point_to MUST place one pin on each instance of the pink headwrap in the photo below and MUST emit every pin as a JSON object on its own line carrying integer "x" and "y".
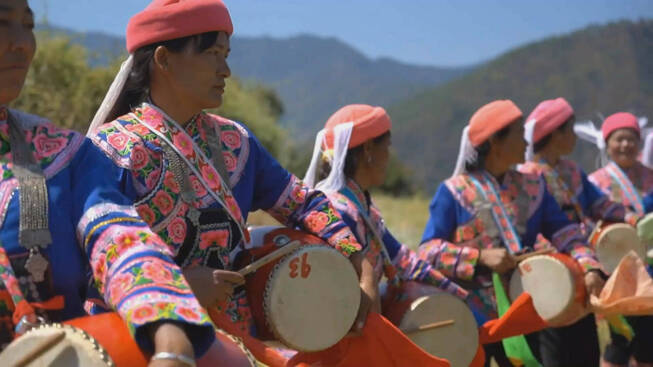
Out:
{"x": 548, "y": 116}
{"x": 164, "y": 20}
{"x": 619, "y": 120}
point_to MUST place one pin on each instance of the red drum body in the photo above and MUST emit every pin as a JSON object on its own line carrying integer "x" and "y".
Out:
{"x": 613, "y": 241}
{"x": 413, "y": 305}
{"x": 308, "y": 299}
{"x": 104, "y": 340}
{"x": 556, "y": 284}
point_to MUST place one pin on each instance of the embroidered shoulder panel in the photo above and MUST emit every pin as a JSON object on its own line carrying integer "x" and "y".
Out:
{"x": 640, "y": 176}
{"x": 571, "y": 175}
{"x": 133, "y": 146}
{"x": 235, "y": 145}
{"x": 521, "y": 195}
{"x": 604, "y": 181}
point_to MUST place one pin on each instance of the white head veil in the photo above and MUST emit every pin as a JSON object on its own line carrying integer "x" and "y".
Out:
{"x": 336, "y": 178}
{"x": 466, "y": 153}
{"x": 529, "y": 131}
{"x": 112, "y": 95}
{"x": 587, "y": 131}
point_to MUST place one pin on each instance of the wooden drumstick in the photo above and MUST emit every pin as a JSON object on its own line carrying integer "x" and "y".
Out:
{"x": 596, "y": 228}
{"x": 544, "y": 251}
{"x": 433, "y": 325}
{"x": 46, "y": 344}
{"x": 283, "y": 251}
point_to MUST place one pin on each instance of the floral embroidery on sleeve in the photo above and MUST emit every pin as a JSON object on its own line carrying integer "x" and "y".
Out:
{"x": 310, "y": 209}
{"x": 134, "y": 270}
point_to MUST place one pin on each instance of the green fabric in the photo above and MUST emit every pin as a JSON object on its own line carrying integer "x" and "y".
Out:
{"x": 619, "y": 325}
{"x": 645, "y": 230}
{"x": 516, "y": 347}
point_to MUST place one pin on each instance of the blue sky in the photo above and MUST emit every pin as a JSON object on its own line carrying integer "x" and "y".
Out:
{"x": 429, "y": 32}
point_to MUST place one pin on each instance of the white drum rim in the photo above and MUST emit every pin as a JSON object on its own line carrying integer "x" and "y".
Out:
{"x": 515, "y": 284}
{"x": 605, "y": 254}
{"x": 238, "y": 341}
{"x": 536, "y": 299}
{"x": 102, "y": 354}
{"x": 268, "y": 296}
{"x": 469, "y": 320}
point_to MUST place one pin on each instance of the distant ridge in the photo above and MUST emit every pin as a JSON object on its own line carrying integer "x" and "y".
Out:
{"x": 313, "y": 75}
{"x": 598, "y": 69}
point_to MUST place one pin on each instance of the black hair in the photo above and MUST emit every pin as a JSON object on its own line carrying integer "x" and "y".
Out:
{"x": 483, "y": 150}
{"x": 351, "y": 161}
{"x": 137, "y": 87}
{"x": 545, "y": 140}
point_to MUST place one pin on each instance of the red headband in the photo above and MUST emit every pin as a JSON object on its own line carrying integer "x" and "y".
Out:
{"x": 619, "y": 120}
{"x": 548, "y": 116}
{"x": 369, "y": 122}
{"x": 491, "y": 118}
{"x": 164, "y": 20}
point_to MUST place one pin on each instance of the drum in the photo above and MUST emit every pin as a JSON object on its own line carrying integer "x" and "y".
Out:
{"x": 515, "y": 287}
{"x": 415, "y": 304}
{"x": 557, "y": 286}
{"x": 308, "y": 299}
{"x": 613, "y": 241}
{"x": 104, "y": 340}
{"x": 56, "y": 345}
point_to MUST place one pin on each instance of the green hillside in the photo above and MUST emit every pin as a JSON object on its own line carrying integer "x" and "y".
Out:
{"x": 598, "y": 69}
{"x": 314, "y": 76}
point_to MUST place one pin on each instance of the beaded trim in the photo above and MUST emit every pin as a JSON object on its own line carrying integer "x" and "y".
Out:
{"x": 96, "y": 348}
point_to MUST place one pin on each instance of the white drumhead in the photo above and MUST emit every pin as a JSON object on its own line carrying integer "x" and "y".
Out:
{"x": 515, "y": 288}
{"x": 458, "y": 342}
{"x": 76, "y": 349}
{"x": 550, "y": 284}
{"x": 312, "y": 298}
{"x": 614, "y": 242}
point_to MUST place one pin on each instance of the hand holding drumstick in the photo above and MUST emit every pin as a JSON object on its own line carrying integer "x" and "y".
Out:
{"x": 212, "y": 286}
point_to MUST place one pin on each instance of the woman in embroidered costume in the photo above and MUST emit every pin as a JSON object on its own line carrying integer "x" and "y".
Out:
{"x": 60, "y": 214}
{"x": 356, "y": 140}
{"x": 550, "y": 136}
{"x": 487, "y": 211}
{"x": 625, "y": 180}
{"x": 195, "y": 176}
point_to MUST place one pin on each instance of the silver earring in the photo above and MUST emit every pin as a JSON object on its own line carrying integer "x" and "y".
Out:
{"x": 369, "y": 159}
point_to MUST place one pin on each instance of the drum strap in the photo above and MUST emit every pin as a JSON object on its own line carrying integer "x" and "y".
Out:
{"x": 516, "y": 348}
{"x": 217, "y": 188}
{"x": 627, "y": 187}
{"x": 551, "y": 173}
{"x": 509, "y": 235}
{"x": 388, "y": 267}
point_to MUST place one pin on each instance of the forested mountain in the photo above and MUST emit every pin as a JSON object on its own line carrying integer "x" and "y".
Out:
{"x": 315, "y": 76}
{"x": 312, "y": 75}
{"x": 598, "y": 69}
